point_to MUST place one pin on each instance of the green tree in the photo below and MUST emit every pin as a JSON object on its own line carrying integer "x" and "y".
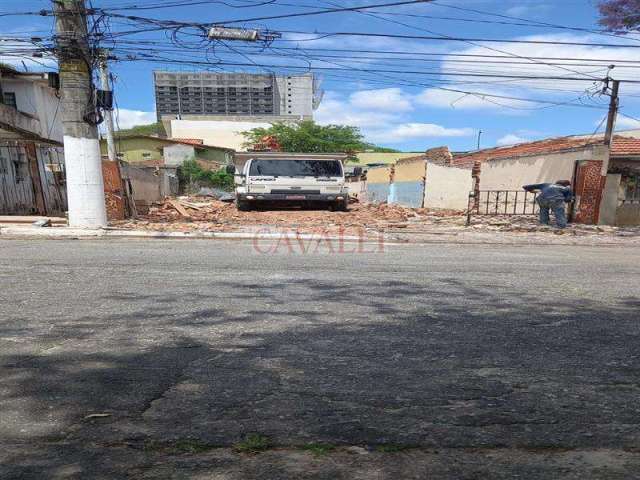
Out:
{"x": 309, "y": 137}
{"x": 156, "y": 129}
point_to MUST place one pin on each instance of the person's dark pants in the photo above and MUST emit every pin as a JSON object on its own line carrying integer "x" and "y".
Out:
{"x": 559, "y": 212}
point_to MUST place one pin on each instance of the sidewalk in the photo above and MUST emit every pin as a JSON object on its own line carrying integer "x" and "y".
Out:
{"x": 457, "y": 235}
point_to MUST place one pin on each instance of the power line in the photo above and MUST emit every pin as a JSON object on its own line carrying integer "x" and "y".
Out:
{"x": 322, "y": 35}
{"x": 325, "y": 11}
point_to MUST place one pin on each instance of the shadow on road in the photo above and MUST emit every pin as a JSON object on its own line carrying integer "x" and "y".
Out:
{"x": 447, "y": 365}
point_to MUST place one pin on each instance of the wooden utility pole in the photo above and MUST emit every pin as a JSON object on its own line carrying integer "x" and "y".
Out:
{"x": 108, "y": 113}
{"x": 613, "y": 112}
{"x": 83, "y": 164}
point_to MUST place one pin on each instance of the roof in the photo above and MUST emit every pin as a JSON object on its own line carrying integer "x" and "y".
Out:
{"x": 244, "y": 156}
{"x": 549, "y": 145}
{"x": 621, "y": 146}
{"x": 625, "y": 146}
{"x": 190, "y": 141}
{"x": 177, "y": 141}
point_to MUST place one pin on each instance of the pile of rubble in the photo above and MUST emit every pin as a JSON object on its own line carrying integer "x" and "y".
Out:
{"x": 201, "y": 213}
{"x": 190, "y": 214}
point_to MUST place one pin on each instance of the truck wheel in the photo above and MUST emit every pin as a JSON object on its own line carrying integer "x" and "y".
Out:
{"x": 242, "y": 206}
{"x": 342, "y": 206}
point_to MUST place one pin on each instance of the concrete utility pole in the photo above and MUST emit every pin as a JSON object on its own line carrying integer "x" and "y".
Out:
{"x": 85, "y": 185}
{"x": 106, "y": 86}
{"x": 613, "y": 112}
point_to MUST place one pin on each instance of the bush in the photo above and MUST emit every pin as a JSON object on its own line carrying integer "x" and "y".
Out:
{"x": 192, "y": 176}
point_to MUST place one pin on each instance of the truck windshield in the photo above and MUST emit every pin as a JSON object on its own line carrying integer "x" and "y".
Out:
{"x": 296, "y": 168}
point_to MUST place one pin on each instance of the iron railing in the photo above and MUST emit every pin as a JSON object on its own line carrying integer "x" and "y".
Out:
{"x": 502, "y": 202}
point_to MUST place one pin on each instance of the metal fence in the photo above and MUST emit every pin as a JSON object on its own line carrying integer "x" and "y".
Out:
{"x": 31, "y": 179}
{"x": 502, "y": 202}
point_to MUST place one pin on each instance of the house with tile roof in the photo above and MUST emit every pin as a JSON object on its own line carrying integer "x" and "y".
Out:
{"x": 167, "y": 151}
{"x": 607, "y": 182}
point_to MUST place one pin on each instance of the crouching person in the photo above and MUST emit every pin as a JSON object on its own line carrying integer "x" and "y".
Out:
{"x": 553, "y": 196}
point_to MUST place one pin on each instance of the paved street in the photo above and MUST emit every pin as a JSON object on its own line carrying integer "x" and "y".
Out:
{"x": 153, "y": 359}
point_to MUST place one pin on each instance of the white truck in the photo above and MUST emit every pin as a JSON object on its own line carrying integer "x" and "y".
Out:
{"x": 295, "y": 181}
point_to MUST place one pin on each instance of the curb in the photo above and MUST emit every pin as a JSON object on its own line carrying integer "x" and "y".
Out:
{"x": 62, "y": 233}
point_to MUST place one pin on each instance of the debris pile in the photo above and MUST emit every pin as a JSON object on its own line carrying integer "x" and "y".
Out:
{"x": 203, "y": 213}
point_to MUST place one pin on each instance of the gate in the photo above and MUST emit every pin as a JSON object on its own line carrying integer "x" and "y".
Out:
{"x": 32, "y": 179}
{"x": 502, "y": 202}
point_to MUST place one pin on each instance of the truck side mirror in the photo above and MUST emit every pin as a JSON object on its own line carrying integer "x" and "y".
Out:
{"x": 231, "y": 169}
{"x": 357, "y": 171}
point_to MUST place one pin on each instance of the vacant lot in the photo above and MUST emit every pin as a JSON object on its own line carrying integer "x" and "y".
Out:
{"x": 154, "y": 359}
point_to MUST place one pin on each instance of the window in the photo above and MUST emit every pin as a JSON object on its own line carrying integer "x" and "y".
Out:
{"x": 146, "y": 155}
{"x": 10, "y": 99}
{"x": 296, "y": 168}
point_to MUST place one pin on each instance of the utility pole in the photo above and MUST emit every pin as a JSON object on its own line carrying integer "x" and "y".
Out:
{"x": 613, "y": 112}
{"x": 479, "y": 136}
{"x": 83, "y": 164}
{"x": 106, "y": 86}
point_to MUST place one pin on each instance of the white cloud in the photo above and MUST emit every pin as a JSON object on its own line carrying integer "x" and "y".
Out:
{"x": 511, "y": 139}
{"x": 130, "y": 118}
{"x": 410, "y": 131}
{"x": 438, "y": 98}
{"x": 386, "y": 99}
{"x": 527, "y": 10}
{"x": 548, "y": 89}
{"x": 371, "y": 110}
{"x": 627, "y": 123}
{"x": 333, "y": 110}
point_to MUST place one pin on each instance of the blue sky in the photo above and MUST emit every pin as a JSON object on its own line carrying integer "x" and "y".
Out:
{"x": 410, "y": 112}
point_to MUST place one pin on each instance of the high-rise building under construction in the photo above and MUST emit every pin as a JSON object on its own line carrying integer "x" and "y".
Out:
{"x": 206, "y": 95}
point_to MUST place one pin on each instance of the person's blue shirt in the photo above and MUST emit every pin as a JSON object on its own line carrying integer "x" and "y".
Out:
{"x": 551, "y": 192}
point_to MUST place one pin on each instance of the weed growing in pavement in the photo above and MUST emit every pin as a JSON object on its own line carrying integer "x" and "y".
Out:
{"x": 318, "y": 449}
{"x": 253, "y": 443}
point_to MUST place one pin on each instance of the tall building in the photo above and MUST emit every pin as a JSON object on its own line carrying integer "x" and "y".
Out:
{"x": 222, "y": 96}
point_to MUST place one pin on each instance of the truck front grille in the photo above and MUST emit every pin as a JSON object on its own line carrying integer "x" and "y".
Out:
{"x": 296, "y": 192}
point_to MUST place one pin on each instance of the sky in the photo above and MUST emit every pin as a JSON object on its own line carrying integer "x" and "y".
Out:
{"x": 411, "y": 98}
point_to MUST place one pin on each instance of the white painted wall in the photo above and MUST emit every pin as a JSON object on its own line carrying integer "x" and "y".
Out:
{"x": 216, "y": 133}
{"x": 512, "y": 174}
{"x": 37, "y": 99}
{"x": 175, "y": 155}
{"x": 447, "y": 187}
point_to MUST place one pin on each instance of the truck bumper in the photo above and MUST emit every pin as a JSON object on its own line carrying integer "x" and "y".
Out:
{"x": 292, "y": 197}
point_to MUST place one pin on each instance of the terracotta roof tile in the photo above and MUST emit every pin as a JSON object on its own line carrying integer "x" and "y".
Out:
{"x": 543, "y": 146}
{"x": 625, "y": 146}
{"x": 189, "y": 141}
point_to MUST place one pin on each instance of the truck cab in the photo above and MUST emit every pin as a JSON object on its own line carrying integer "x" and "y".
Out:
{"x": 293, "y": 181}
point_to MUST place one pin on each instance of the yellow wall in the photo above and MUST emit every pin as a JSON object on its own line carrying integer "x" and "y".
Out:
{"x": 372, "y": 157}
{"x": 378, "y": 175}
{"x": 410, "y": 171}
{"x": 134, "y": 149}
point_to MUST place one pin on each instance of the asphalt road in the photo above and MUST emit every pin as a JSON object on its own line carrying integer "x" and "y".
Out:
{"x": 150, "y": 359}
